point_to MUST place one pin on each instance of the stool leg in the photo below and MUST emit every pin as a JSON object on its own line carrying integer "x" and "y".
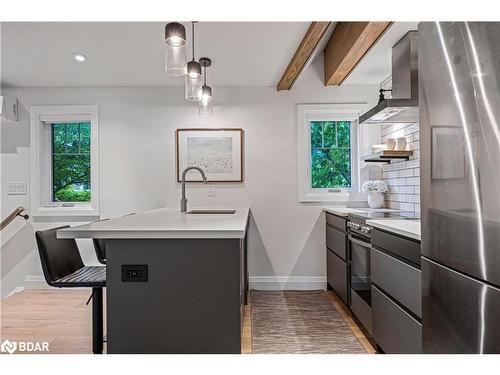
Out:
{"x": 97, "y": 321}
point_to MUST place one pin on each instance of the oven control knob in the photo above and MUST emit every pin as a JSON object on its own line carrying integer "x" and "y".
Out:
{"x": 354, "y": 225}
{"x": 365, "y": 229}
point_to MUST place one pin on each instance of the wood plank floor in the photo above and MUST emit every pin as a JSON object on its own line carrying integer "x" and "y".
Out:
{"x": 61, "y": 318}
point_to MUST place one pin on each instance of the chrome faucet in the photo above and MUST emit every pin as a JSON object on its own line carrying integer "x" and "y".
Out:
{"x": 184, "y": 201}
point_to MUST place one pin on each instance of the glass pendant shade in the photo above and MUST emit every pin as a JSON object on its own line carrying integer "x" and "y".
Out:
{"x": 175, "y": 60}
{"x": 194, "y": 69}
{"x": 175, "y": 49}
{"x": 205, "y": 106}
{"x": 175, "y": 34}
{"x": 192, "y": 88}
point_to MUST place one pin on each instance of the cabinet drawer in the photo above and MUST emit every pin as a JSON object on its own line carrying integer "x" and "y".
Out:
{"x": 338, "y": 275}
{"x": 402, "y": 281}
{"x": 362, "y": 310}
{"x": 405, "y": 248}
{"x": 336, "y": 221}
{"x": 336, "y": 241}
{"x": 394, "y": 330}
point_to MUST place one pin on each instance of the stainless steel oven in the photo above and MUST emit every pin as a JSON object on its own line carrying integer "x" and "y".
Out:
{"x": 360, "y": 251}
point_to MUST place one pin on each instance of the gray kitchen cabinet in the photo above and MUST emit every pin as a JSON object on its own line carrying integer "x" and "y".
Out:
{"x": 336, "y": 241}
{"x": 396, "y": 293}
{"x": 338, "y": 275}
{"x": 402, "y": 247}
{"x": 337, "y": 268}
{"x": 398, "y": 279}
{"x": 335, "y": 221}
{"x": 393, "y": 328}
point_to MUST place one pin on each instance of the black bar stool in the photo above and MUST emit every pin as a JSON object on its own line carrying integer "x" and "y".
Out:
{"x": 63, "y": 268}
{"x": 100, "y": 250}
{"x": 100, "y": 245}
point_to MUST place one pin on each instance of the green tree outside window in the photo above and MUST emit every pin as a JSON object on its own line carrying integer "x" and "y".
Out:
{"x": 71, "y": 162}
{"x": 330, "y": 154}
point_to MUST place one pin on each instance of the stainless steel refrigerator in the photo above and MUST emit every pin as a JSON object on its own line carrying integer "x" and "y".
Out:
{"x": 459, "y": 98}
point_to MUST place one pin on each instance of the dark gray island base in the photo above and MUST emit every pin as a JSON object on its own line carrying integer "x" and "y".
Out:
{"x": 188, "y": 299}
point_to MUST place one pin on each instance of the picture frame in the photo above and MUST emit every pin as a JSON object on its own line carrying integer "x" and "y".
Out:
{"x": 218, "y": 151}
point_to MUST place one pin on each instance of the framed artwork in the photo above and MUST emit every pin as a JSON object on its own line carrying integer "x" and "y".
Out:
{"x": 448, "y": 153}
{"x": 219, "y": 152}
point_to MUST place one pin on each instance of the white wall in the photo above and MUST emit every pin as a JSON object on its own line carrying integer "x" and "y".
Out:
{"x": 137, "y": 151}
{"x": 403, "y": 177}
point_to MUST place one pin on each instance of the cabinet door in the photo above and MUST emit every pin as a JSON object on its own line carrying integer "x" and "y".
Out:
{"x": 338, "y": 275}
{"x": 402, "y": 247}
{"x": 398, "y": 279}
{"x": 394, "y": 330}
{"x": 336, "y": 241}
{"x": 337, "y": 222}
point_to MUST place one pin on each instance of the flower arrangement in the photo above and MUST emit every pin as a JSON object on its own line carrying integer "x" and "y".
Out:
{"x": 377, "y": 186}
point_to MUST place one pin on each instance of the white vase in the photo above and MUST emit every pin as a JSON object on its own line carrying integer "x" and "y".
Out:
{"x": 375, "y": 199}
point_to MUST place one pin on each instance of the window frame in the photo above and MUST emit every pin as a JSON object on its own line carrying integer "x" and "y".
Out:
{"x": 306, "y": 113}
{"x": 41, "y": 160}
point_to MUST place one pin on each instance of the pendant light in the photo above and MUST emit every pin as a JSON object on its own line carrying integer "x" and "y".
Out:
{"x": 175, "y": 49}
{"x": 193, "y": 81}
{"x": 205, "y": 105}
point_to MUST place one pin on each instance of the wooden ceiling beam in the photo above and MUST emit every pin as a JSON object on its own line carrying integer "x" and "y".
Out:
{"x": 349, "y": 43}
{"x": 302, "y": 54}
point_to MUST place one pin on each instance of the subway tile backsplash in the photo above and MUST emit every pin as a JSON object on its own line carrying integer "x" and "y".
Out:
{"x": 403, "y": 177}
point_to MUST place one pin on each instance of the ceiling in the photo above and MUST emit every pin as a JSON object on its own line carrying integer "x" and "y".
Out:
{"x": 40, "y": 54}
{"x": 132, "y": 54}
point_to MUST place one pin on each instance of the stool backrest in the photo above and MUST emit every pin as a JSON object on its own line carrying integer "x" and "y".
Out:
{"x": 100, "y": 250}
{"x": 59, "y": 257}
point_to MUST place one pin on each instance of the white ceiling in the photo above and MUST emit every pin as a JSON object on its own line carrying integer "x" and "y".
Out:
{"x": 131, "y": 54}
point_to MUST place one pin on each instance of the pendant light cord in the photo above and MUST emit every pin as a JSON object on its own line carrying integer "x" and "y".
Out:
{"x": 192, "y": 28}
{"x": 205, "y": 75}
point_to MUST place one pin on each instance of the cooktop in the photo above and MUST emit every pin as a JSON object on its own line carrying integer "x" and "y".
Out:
{"x": 376, "y": 215}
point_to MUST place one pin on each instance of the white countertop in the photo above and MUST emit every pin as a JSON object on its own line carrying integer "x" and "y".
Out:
{"x": 344, "y": 211}
{"x": 406, "y": 228}
{"x": 165, "y": 223}
{"x": 341, "y": 211}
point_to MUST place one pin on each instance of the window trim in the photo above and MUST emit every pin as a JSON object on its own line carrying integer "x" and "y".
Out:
{"x": 41, "y": 149}
{"x": 327, "y": 112}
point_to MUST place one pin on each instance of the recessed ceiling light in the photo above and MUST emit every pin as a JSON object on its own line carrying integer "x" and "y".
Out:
{"x": 79, "y": 57}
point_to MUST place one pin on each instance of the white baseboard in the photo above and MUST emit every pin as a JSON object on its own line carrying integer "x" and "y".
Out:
{"x": 38, "y": 282}
{"x": 256, "y": 282}
{"x": 35, "y": 282}
{"x": 287, "y": 282}
{"x": 16, "y": 290}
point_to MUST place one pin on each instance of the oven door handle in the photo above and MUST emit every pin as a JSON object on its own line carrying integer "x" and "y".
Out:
{"x": 359, "y": 242}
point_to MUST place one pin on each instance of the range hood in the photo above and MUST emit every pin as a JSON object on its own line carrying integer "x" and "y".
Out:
{"x": 403, "y": 106}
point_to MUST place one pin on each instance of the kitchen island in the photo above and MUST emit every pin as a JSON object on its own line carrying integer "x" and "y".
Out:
{"x": 176, "y": 282}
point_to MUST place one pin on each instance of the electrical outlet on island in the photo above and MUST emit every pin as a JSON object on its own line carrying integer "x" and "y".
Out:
{"x": 211, "y": 191}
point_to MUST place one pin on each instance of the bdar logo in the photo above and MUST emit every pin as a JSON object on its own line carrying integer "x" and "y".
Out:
{"x": 24, "y": 346}
{"x": 8, "y": 347}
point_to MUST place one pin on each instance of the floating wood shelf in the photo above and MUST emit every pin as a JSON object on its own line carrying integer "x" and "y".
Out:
{"x": 385, "y": 156}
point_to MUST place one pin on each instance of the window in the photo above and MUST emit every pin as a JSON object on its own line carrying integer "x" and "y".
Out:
{"x": 327, "y": 151}
{"x": 330, "y": 154}
{"x": 65, "y": 161}
{"x": 71, "y": 162}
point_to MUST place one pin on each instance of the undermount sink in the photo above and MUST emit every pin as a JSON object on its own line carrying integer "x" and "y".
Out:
{"x": 212, "y": 212}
